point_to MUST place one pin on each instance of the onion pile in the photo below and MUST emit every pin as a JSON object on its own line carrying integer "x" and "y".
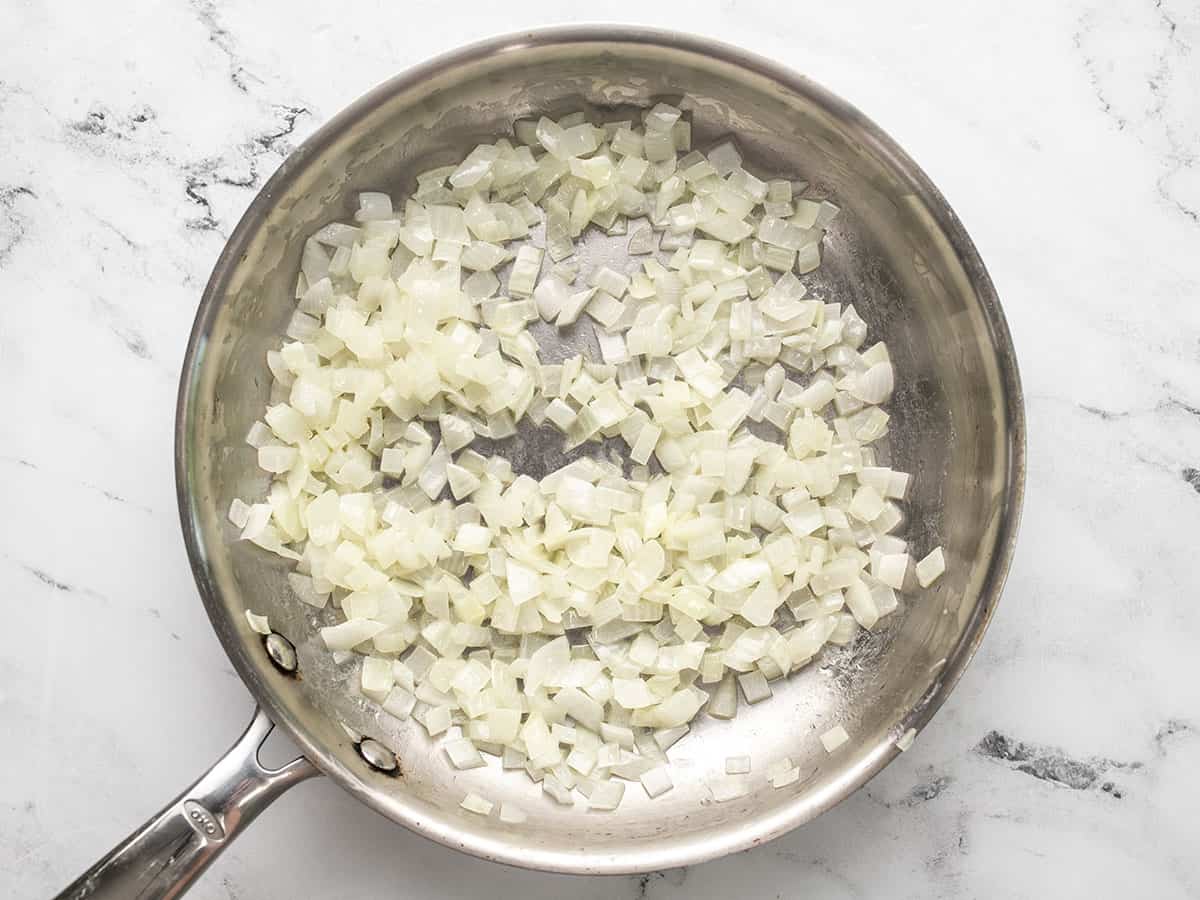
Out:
{"x": 575, "y": 626}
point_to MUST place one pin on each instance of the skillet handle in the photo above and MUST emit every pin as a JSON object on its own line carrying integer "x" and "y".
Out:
{"x": 163, "y": 857}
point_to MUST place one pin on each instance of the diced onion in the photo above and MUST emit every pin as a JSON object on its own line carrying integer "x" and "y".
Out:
{"x": 930, "y": 569}
{"x": 577, "y": 624}
{"x": 512, "y": 815}
{"x": 657, "y": 782}
{"x": 258, "y": 623}
{"x": 606, "y": 796}
{"x": 737, "y": 765}
{"x": 476, "y": 804}
{"x": 834, "y": 738}
{"x": 666, "y": 738}
{"x": 754, "y": 686}
{"x": 463, "y": 755}
{"x": 350, "y": 634}
{"x": 783, "y": 779}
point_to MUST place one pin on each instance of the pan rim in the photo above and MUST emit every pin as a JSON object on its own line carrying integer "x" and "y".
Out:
{"x": 704, "y": 845}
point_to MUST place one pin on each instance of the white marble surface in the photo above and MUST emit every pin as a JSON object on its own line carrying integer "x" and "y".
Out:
{"x": 1067, "y": 136}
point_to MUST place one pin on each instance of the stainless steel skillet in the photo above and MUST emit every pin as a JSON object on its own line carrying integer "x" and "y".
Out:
{"x": 897, "y": 252}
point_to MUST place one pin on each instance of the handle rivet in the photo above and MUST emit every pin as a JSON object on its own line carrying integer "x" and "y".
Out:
{"x": 281, "y": 652}
{"x": 377, "y": 756}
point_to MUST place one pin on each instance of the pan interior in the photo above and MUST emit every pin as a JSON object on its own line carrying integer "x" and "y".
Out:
{"x": 895, "y": 252}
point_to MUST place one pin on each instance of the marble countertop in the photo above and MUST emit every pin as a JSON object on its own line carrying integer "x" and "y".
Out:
{"x": 1067, "y": 136}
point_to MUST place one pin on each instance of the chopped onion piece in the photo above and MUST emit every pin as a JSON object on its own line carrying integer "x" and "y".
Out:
{"x": 377, "y": 678}
{"x": 666, "y": 738}
{"x": 783, "y": 779}
{"x": 737, "y": 765}
{"x": 239, "y": 513}
{"x": 834, "y": 738}
{"x": 525, "y": 270}
{"x": 875, "y": 384}
{"x": 780, "y": 767}
{"x": 512, "y": 815}
{"x": 633, "y": 693}
{"x": 641, "y": 241}
{"x": 462, "y": 482}
{"x": 463, "y": 755}
{"x": 723, "y": 704}
{"x": 472, "y": 538}
{"x": 606, "y": 796}
{"x": 657, "y": 782}
{"x": 476, "y": 804}
{"x": 572, "y": 306}
{"x": 890, "y": 569}
{"x": 350, "y": 634}
{"x": 399, "y": 703}
{"x": 754, "y": 686}
{"x": 436, "y": 720}
{"x": 258, "y": 623}
{"x": 306, "y": 590}
{"x": 725, "y": 227}
{"x": 929, "y": 569}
